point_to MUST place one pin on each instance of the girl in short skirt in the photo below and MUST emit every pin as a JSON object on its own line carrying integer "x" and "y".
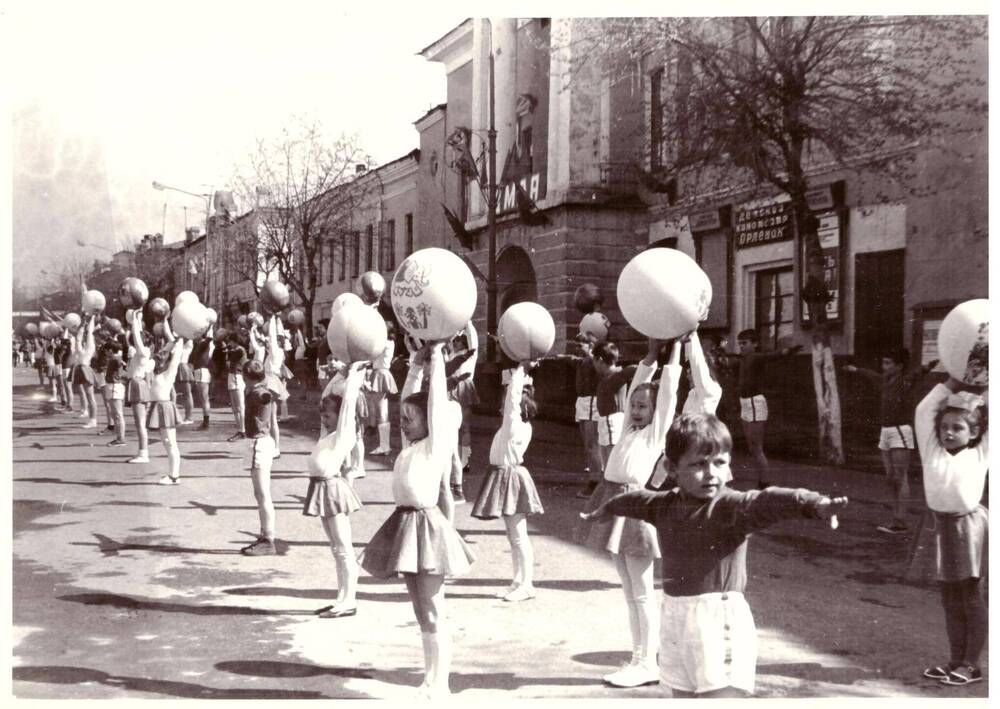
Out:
{"x": 417, "y": 540}
{"x": 632, "y": 542}
{"x": 83, "y": 375}
{"x": 952, "y": 438}
{"x": 508, "y": 490}
{"x": 185, "y": 377}
{"x": 336, "y": 383}
{"x": 379, "y": 386}
{"x": 167, "y": 363}
{"x": 140, "y": 365}
{"x": 330, "y": 496}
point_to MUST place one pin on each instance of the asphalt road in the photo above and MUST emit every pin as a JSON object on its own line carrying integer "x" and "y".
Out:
{"x": 122, "y": 588}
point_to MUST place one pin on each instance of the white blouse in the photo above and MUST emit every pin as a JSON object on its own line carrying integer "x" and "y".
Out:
{"x": 511, "y": 441}
{"x": 332, "y": 451}
{"x": 420, "y": 468}
{"x": 633, "y": 458}
{"x": 953, "y": 483}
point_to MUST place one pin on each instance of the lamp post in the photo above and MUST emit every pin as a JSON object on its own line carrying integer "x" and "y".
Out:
{"x": 208, "y": 208}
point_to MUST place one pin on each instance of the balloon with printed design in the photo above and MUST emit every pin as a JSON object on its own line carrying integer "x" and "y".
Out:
{"x": 663, "y": 293}
{"x": 526, "y": 331}
{"x": 433, "y": 294}
{"x": 597, "y": 324}
{"x": 963, "y": 342}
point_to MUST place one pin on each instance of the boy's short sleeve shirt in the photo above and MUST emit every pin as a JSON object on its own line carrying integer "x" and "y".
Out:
{"x": 258, "y": 410}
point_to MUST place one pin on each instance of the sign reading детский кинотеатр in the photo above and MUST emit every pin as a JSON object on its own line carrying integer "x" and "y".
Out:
{"x": 765, "y": 224}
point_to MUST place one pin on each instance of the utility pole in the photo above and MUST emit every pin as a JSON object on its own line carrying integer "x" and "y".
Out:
{"x": 491, "y": 224}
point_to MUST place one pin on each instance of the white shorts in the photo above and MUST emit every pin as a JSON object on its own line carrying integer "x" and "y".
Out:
{"x": 586, "y": 408}
{"x": 234, "y": 382}
{"x": 65, "y": 372}
{"x": 895, "y": 437}
{"x": 753, "y": 408}
{"x": 262, "y": 453}
{"x": 609, "y": 428}
{"x": 707, "y": 642}
{"x": 203, "y": 375}
{"x": 114, "y": 391}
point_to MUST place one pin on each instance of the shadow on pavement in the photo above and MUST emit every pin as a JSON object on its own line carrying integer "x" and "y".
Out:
{"x": 115, "y": 600}
{"x": 264, "y": 668}
{"x": 608, "y": 658}
{"x": 61, "y": 674}
{"x": 816, "y": 672}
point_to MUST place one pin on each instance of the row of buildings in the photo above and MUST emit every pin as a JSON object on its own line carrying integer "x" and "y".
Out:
{"x": 589, "y": 148}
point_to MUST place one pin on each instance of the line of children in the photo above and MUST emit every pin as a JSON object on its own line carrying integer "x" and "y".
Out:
{"x": 378, "y": 387}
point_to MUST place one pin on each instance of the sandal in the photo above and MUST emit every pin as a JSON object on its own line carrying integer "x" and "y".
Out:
{"x": 937, "y": 672}
{"x": 961, "y": 676}
{"x": 341, "y": 613}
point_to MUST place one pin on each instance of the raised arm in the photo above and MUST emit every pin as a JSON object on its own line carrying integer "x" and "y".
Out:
{"x": 274, "y": 350}
{"x": 175, "y": 359}
{"x": 472, "y": 340}
{"x": 512, "y": 398}
{"x": 708, "y": 391}
{"x": 140, "y": 346}
{"x": 666, "y": 399}
{"x": 646, "y": 368}
{"x": 167, "y": 332}
{"x": 924, "y": 419}
{"x": 442, "y": 429}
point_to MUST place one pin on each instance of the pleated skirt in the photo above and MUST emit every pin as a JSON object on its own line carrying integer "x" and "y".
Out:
{"x": 507, "y": 490}
{"x": 327, "y": 497}
{"x": 618, "y": 535}
{"x": 381, "y": 380}
{"x": 416, "y": 541}
{"x": 83, "y": 374}
{"x": 950, "y": 547}
{"x": 186, "y": 373}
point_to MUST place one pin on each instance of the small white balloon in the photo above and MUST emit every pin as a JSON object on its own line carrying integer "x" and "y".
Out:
{"x": 189, "y": 319}
{"x": 597, "y": 324}
{"x": 356, "y": 333}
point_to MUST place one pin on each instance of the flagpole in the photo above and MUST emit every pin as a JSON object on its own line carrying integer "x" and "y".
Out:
{"x": 491, "y": 223}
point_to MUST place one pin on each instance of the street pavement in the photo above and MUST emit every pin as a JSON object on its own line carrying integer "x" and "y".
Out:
{"x": 122, "y": 588}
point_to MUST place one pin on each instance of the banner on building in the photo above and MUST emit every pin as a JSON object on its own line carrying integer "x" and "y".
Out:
{"x": 765, "y": 224}
{"x": 829, "y": 233}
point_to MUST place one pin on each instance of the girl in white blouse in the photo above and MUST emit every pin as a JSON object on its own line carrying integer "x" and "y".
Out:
{"x": 331, "y": 496}
{"x": 140, "y": 366}
{"x": 417, "y": 540}
{"x": 508, "y": 490}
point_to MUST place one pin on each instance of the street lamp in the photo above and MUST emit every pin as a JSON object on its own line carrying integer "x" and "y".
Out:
{"x": 208, "y": 208}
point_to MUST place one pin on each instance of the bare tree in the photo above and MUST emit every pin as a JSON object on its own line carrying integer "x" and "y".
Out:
{"x": 306, "y": 193}
{"x": 759, "y": 104}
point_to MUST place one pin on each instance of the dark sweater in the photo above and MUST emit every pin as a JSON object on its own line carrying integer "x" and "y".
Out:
{"x": 704, "y": 542}
{"x": 894, "y": 408}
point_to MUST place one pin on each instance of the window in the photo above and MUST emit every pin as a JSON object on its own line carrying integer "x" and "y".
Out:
{"x": 656, "y": 120}
{"x": 370, "y": 246}
{"x": 773, "y": 305}
{"x": 387, "y": 259}
{"x": 343, "y": 257}
{"x": 356, "y": 255}
{"x": 409, "y": 234}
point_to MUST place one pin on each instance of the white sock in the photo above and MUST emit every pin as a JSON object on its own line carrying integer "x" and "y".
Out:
{"x": 383, "y": 435}
{"x": 431, "y": 650}
{"x": 464, "y": 454}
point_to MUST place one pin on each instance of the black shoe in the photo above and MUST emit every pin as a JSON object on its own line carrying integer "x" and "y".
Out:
{"x": 763, "y": 484}
{"x": 961, "y": 676}
{"x": 586, "y": 492}
{"x": 204, "y": 425}
{"x": 261, "y": 547}
{"x": 457, "y": 494}
{"x": 109, "y": 427}
{"x": 115, "y": 443}
{"x": 342, "y": 613}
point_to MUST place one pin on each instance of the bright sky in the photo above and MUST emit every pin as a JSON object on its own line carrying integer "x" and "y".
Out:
{"x": 109, "y": 96}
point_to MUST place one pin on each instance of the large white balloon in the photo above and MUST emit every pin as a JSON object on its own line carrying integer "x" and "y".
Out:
{"x": 597, "y": 324}
{"x": 433, "y": 294}
{"x": 963, "y": 342}
{"x": 184, "y": 296}
{"x": 93, "y": 302}
{"x": 356, "y": 333}
{"x": 663, "y": 293}
{"x": 71, "y": 321}
{"x": 526, "y": 331}
{"x": 190, "y": 319}
{"x": 344, "y": 299}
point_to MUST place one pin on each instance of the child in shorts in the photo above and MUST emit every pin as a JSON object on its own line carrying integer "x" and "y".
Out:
{"x": 260, "y": 401}
{"x": 708, "y": 642}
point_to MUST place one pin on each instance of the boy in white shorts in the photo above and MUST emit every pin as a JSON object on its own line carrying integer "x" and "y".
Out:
{"x": 585, "y": 409}
{"x": 708, "y": 641}
{"x": 236, "y": 357}
{"x": 611, "y": 397}
{"x": 896, "y": 441}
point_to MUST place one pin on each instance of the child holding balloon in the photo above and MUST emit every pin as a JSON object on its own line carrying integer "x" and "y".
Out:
{"x": 417, "y": 540}
{"x": 201, "y": 358}
{"x": 379, "y": 386}
{"x": 114, "y": 390}
{"x": 708, "y": 642}
{"x": 632, "y": 542}
{"x": 951, "y": 432}
{"x": 259, "y": 413}
{"x": 464, "y": 392}
{"x": 83, "y": 376}
{"x": 508, "y": 491}
{"x": 140, "y": 364}
{"x": 330, "y": 495}
{"x": 167, "y": 361}
{"x": 236, "y": 358}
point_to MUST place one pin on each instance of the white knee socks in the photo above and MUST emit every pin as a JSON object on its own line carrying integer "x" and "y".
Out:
{"x": 437, "y": 660}
{"x": 383, "y": 436}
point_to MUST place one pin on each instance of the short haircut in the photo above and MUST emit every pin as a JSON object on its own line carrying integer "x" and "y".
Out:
{"x": 701, "y": 433}
{"x": 331, "y": 400}
{"x": 749, "y": 335}
{"x": 652, "y": 387}
{"x": 254, "y": 370}
{"x": 977, "y": 418}
{"x": 607, "y": 352}
{"x": 586, "y": 338}
{"x": 899, "y": 355}
{"x": 418, "y": 399}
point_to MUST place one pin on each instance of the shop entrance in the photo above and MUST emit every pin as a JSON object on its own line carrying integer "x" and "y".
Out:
{"x": 878, "y": 305}
{"x": 515, "y": 278}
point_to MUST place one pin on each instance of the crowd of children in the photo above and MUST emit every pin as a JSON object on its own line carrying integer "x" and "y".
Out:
{"x": 656, "y": 484}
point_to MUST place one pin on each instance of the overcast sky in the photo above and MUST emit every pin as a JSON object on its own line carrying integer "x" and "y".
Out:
{"x": 109, "y": 96}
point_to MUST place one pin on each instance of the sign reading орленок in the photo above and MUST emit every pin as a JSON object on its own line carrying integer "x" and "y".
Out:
{"x": 765, "y": 224}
